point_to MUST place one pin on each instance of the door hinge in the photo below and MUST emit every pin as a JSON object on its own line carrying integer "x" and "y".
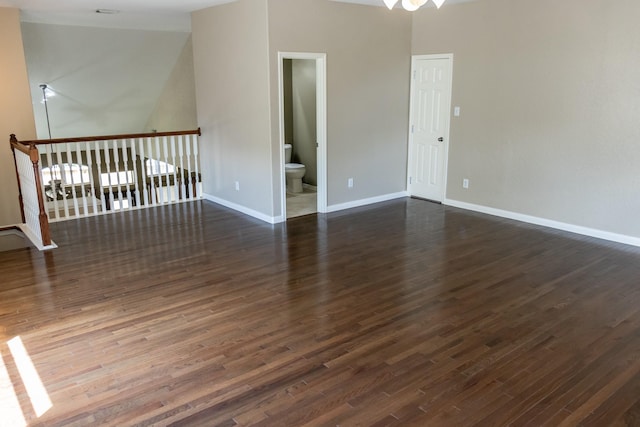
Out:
{"x": 414, "y": 74}
{"x": 410, "y": 180}
{"x": 411, "y": 128}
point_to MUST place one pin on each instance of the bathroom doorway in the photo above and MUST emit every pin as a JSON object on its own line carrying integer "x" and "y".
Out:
{"x": 302, "y": 80}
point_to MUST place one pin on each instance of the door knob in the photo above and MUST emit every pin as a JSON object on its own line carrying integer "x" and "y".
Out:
{"x": 440, "y": 139}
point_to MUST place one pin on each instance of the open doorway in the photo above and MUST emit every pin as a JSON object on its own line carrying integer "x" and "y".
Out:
{"x": 302, "y": 79}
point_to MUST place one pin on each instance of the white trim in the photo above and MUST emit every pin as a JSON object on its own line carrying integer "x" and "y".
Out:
{"x": 447, "y": 130}
{"x": 243, "y": 209}
{"x": 585, "y": 231}
{"x": 369, "y": 201}
{"x": 321, "y": 126}
{"x": 23, "y": 230}
{"x": 321, "y": 131}
{"x": 283, "y": 184}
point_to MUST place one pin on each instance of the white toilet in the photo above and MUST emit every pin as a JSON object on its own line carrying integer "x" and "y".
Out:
{"x": 293, "y": 171}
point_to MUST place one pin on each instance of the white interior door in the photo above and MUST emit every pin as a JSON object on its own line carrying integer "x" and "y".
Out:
{"x": 429, "y": 132}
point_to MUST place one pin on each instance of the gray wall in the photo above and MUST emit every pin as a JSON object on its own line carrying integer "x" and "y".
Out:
{"x": 16, "y": 114}
{"x": 304, "y": 117}
{"x": 175, "y": 108}
{"x": 230, "y": 45}
{"x": 108, "y": 81}
{"x": 368, "y": 62}
{"x": 236, "y": 69}
{"x": 550, "y": 101}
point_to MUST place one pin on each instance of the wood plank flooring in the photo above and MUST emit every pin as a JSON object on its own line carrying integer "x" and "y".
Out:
{"x": 403, "y": 313}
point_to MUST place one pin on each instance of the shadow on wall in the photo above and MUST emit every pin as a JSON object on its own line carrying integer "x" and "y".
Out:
{"x": 109, "y": 81}
{"x": 300, "y": 114}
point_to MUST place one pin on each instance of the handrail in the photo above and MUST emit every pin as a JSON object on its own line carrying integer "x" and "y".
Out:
{"x": 108, "y": 137}
{"x": 25, "y": 148}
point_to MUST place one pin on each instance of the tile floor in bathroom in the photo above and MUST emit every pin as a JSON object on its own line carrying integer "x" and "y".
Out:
{"x": 304, "y": 203}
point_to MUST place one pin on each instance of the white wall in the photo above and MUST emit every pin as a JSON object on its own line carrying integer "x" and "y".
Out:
{"x": 15, "y": 110}
{"x": 108, "y": 81}
{"x": 550, "y": 100}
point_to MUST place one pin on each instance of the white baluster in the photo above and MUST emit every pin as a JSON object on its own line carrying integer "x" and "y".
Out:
{"x": 143, "y": 173}
{"x": 81, "y": 183}
{"x": 173, "y": 164}
{"x": 183, "y": 178}
{"x": 107, "y": 161}
{"x": 127, "y": 168}
{"x": 196, "y": 160}
{"x": 152, "y": 181}
{"x": 189, "y": 166}
{"x": 51, "y": 161}
{"x": 99, "y": 156}
{"x": 134, "y": 160}
{"x": 116, "y": 162}
{"x": 72, "y": 180}
{"x": 90, "y": 165}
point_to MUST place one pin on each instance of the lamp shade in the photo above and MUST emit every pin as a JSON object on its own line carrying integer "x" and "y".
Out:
{"x": 412, "y": 5}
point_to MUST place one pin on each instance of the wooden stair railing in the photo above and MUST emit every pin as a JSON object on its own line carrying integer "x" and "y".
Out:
{"x": 40, "y": 228}
{"x": 126, "y": 160}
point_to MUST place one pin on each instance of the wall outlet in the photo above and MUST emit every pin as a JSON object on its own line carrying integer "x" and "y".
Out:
{"x": 237, "y": 185}
{"x": 456, "y": 111}
{"x": 465, "y": 183}
{"x": 350, "y": 183}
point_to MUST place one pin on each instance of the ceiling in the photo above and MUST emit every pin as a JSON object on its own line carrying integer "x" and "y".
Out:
{"x": 167, "y": 15}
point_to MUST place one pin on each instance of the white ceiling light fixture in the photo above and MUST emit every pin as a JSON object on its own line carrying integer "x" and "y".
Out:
{"x": 390, "y": 3}
{"x": 412, "y": 5}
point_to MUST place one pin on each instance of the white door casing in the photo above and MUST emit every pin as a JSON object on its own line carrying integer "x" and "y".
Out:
{"x": 430, "y": 108}
{"x": 321, "y": 126}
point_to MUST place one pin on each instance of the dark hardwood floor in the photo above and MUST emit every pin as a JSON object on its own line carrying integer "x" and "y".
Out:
{"x": 402, "y": 313}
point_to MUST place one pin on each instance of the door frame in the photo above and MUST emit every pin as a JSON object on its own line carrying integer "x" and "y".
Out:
{"x": 321, "y": 126}
{"x": 447, "y": 125}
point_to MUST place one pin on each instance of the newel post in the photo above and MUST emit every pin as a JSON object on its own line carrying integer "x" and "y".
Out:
{"x": 42, "y": 213}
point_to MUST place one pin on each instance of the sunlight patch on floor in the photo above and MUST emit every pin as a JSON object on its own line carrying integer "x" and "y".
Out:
{"x": 9, "y": 404}
{"x": 32, "y": 382}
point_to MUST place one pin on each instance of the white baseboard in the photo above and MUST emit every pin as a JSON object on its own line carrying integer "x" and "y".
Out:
{"x": 585, "y": 231}
{"x": 23, "y": 230}
{"x": 243, "y": 209}
{"x": 280, "y": 218}
{"x": 364, "y": 202}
